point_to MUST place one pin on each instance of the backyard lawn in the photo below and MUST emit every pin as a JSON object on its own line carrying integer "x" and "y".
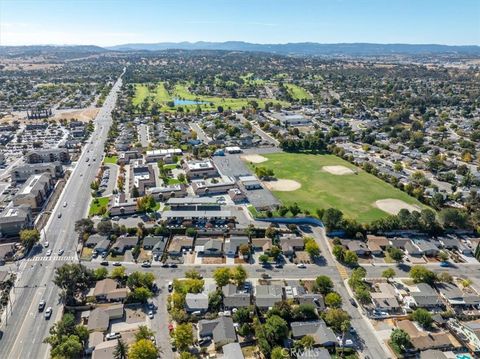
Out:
{"x": 97, "y": 204}
{"x": 354, "y": 194}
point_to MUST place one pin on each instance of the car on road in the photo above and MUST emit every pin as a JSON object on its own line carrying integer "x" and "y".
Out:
{"x": 48, "y": 313}
{"x": 49, "y": 253}
{"x": 113, "y": 335}
{"x": 60, "y": 215}
{"x": 173, "y": 265}
{"x": 279, "y": 265}
{"x": 150, "y": 314}
{"x": 60, "y": 252}
{"x": 116, "y": 264}
{"x": 445, "y": 264}
{"x": 146, "y": 264}
{"x": 41, "y": 305}
{"x": 46, "y": 244}
{"x": 353, "y": 302}
{"x": 165, "y": 265}
{"x": 301, "y": 265}
{"x": 170, "y": 286}
{"x": 104, "y": 263}
{"x": 266, "y": 276}
{"x": 64, "y": 204}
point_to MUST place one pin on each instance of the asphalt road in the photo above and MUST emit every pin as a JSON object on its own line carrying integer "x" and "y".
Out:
{"x": 24, "y": 328}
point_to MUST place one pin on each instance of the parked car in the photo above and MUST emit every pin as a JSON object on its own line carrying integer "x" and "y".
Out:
{"x": 445, "y": 264}
{"x": 41, "y": 305}
{"x": 48, "y": 313}
{"x": 46, "y": 244}
{"x": 150, "y": 314}
{"x": 301, "y": 265}
{"x": 49, "y": 253}
{"x": 116, "y": 264}
{"x": 104, "y": 263}
{"x": 111, "y": 336}
{"x": 146, "y": 264}
{"x": 173, "y": 265}
{"x": 353, "y": 302}
{"x": 266, "y": 276}
{"x": 170, "y": 286}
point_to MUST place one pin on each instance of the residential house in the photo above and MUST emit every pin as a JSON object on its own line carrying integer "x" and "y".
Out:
{"x": 99, "y": 318}
{"x": 422, "y": 340}
{"x": 93, "y": 240}
{"x": 119, "y": 205}
{"x": 377, "y": 244}
{"x": 196, "y": 302}
{"x": 413, "y": 250}
{"x": 34, "y": 192}
{"x": 428, "y": 248}
{"x": 358, "y": 247}
{"x": 290, "y": 245}
{"x": 108, "y": 290}
{"x": 124, "y": 243}
{"x": 385, "y": 299}
{"x": 233, "y": 351}
{"x": 267, "y": 295}
{"x": 209, "y": 247}
{"x": 233, "y": 243}
{"x": 235, "y": 298}
{"x": 261, "y": 244}
{"x": 221, "y": 330}
{"x": 426, "y": 297}
{"x": 178, "y": 244}
{"x": 321, "y": 333}
{"x": 21, "y": 173}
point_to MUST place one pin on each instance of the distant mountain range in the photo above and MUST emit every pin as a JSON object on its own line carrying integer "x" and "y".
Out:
{"x": 301, "y": 48}
{"x": 306, "y": 48}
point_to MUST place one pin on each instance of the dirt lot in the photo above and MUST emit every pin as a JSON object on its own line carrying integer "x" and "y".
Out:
{"x": 85, "y": 115}
{"x": 393, "y": 206}
{"x": 283, "y": 185}
{"x": 254, "y": 158}
{"x": 213, "y": 260}
{"x": 338, "y": 170}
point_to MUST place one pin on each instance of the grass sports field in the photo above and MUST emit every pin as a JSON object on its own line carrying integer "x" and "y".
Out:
{"x": 161, "y": 96}
{"x": 354, "y": 194}
{"x": 297, "y": 92}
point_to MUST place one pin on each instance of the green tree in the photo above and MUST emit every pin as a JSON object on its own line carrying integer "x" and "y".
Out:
{"x": 307, "y": 342}
{"x": 422, "y": 317}
{"x": 72, "y": 279}
{"x": 221, "y": 276}
{"x": 215, "y": 301}
{"x": 263, "y": 258}
{"x": 100, "y": 273}
{"x": 311, "y": 247}
{"x": 350, "y": 258}
{"x": 323, "y": 284}
{"x": 118, "y": 273}
{"x": 121, "y": 350}
{"x": 388, "y": 273}
{"x": 334, "y": 318}
{"x": 333, "y": 300}
{"x": 279, "y": 353}
{"x": 70, "y": 347}
{"x": 443, "y": 256}
{"x": 140, "y": 294}
{"x": 332, "y": 218}
{"x": 183, "y": 336}
{"x": 420, "y": 274}
{"x": 192, "y": 274}
{"x": 363, "y": 296}
{"x": 276, "y": 329}
{"x": 28, "y": 237}
{"x": 143, "y": 349}
{"x": 238, "y": 275}
{"x": 396, "y": 254}
{"x": 242, "y": 315}
{"x": 400, "y": 340}
{"x": 144, "y": 332}
{"x": 339, "y": 252}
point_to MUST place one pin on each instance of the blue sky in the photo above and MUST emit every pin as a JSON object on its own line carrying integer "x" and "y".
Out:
{"x": 111, "y": 22}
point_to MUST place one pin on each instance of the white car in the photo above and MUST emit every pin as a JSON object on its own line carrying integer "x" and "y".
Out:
{"x": 49, "y": 253}
{"x": 111, "y": 336}
{"x": 48, "y": 313}
{"x": 150, "y": 314}
{"x": 64, "y": 204}
{"x": 46, "y": 244}
{"x": 301, "y": 265}
{"x": 60, "y": 252}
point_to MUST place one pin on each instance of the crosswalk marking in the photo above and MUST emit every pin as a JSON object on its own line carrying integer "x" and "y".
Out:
{"x": 343, "y": 272}
{"x": 51, "y": 258}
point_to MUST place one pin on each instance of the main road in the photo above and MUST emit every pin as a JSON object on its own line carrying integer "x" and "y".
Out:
{"x": 23, "y": 326}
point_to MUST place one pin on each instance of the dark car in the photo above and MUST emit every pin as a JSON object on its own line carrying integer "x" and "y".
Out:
{"x": 104, "y": 263}
{"x": 41, "y": 306}
{"x": 353, "y": 302}
{"x": 173, "y": 265}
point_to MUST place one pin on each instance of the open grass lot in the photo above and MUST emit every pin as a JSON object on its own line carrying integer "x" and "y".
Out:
{"x": 353, "y": 194}
{"x": 97, "y": 204}
{"x": 111, "y": 160}
{"x": 161, "y": 96}
{"x": 297, "y": 92}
